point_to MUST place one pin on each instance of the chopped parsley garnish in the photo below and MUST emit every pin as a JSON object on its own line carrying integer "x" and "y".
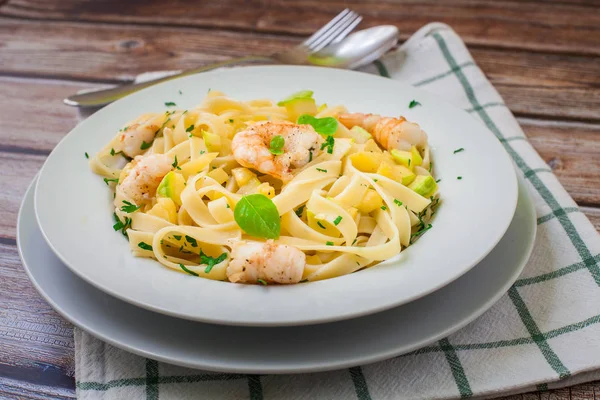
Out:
{"x": 329, "y": 243}
{"x": 383, "y": 208}
{"x": 430, "y": 166}
{"x": 300, "y": 210}
{"x": 409, "y": 162}
{"x": 438, "y": 180}
{"x": 459, "y": 150}
{"x": 357, "y": 263}
{"x": 321, "y": 170}
{"x": 112, "y": 152}
{"x": 210, "y": 261}
{"x": 129, "y": 207}
{"x": 459, "y": 177}
{"x": 227, "y": 205}
{"x": 115, "y": 180}
{"x": 177, "y": 237}
{"x": 276, "y": 145}
{"x": 145, "y": 145}
{"x": 413, "y": 104}
{"x": 170, "y": 104}
{"x": 329, "y": 143}
{"x": 87, "y": 155}
{"x": 337, "y": 220}
{"x": 190, "y": 128}
{"x": 164, "y": 124}
{"x": 375, "y": 179}
{"x": 397, "y": 202}
{"x": 180, "y": 248}
{"x": 421, "y": 231}
{"x": 321, "y": 225}
{"x": 230, "y": 120}
{"x": 354, "y": 241}
{"x": 309, "y": 156}
{"x": 175, "y": 163}
{"x": 187, "y": 270}
{"x": 180, "y": 92}
{"x": 262, "y": 281}
{"x": 191, "y": 241}
{"x": 145, "y": 246}
{"x": 121, "y": 226}
{"x": 202, "y": 152}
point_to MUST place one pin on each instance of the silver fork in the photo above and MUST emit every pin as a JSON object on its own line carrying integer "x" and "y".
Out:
{"x": 334, "y": 31}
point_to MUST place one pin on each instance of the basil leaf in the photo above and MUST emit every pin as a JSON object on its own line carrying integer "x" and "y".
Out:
{"x": 276, "y": 145}
{"x": 303, "y": 94}
{"x": 325, "y": 126}
{"x": 258, "y": 216}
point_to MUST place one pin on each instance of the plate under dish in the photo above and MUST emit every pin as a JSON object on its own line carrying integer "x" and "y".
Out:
{"x": 74, "y": 207}
{"x": 271, "y": 350}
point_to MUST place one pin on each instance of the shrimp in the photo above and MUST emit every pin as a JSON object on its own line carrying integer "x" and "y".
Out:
{"x": 251, "y": 147}
{"x": 141, "y": 177}
{"x": 273, "y": 263}
{"x": 391, "y": 133}
{"x": 133, "y": 136}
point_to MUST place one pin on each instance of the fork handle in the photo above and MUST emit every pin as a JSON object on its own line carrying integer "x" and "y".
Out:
{"x": 103, "y": 97}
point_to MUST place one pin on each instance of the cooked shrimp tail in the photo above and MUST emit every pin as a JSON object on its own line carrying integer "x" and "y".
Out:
{"x": 390, "y": 133}
{"x": 272, "y": 263}
{"x": 251, "y": 148}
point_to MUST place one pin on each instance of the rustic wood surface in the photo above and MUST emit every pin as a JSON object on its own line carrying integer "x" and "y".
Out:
{"x": 543, "y": 56}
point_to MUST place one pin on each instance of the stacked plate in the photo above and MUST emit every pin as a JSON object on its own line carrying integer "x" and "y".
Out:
{"x": 482, "y": 237}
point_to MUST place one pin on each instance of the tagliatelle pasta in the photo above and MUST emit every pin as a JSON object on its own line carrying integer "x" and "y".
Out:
{"x": 258, "y": 192}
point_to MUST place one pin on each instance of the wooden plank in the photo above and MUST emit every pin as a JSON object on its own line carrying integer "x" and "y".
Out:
{"x": 541, "y": 84}
{"x": 533, "y": 84}
{"x": 17, "y": 172}
{"x": 113, "y": 53}
{"x": 571, "y": 150}
{"x": 36, "y": 344}
{"x": 34, "y": 117}
{"x": 558, "y": 27}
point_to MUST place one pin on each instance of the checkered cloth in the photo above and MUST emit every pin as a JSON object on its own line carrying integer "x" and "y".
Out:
{"x": 544, "y": 333}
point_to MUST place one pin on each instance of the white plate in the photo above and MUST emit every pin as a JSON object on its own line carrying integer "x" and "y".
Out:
{"x": 74, "y": 211}
{"x": 308, "y": 348}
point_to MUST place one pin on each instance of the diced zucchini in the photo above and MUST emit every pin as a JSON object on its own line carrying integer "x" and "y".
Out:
{"x": 403, "y": 158}
{"x": 212, "y": 141}
{"x": 424, "y": 185}
{"x": 417, "y": 160}
{"x": 171, "y": 187}
{"x": 359, "y": 134}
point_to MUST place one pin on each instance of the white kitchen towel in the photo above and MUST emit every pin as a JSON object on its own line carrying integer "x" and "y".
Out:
{"x": 544, "y": 333}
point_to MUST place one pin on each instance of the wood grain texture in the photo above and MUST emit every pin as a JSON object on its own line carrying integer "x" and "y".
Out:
{"x": 555, "y": 26}
{"x": 36, "y": 344}
{"x": 533, "y": 84}
{"x": 571, "y": 150}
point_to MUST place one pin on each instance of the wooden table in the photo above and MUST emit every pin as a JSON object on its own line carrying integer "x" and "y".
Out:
{"x": 543, "y": 57}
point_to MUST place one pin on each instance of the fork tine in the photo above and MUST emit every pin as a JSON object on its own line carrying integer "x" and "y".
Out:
{"x": 326, "y": 27}
{"x": 339, "y": 30}
{"x": 347, "y": 31}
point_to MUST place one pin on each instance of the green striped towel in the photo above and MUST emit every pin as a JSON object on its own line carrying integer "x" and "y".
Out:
{"x": 544, "y": 333}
